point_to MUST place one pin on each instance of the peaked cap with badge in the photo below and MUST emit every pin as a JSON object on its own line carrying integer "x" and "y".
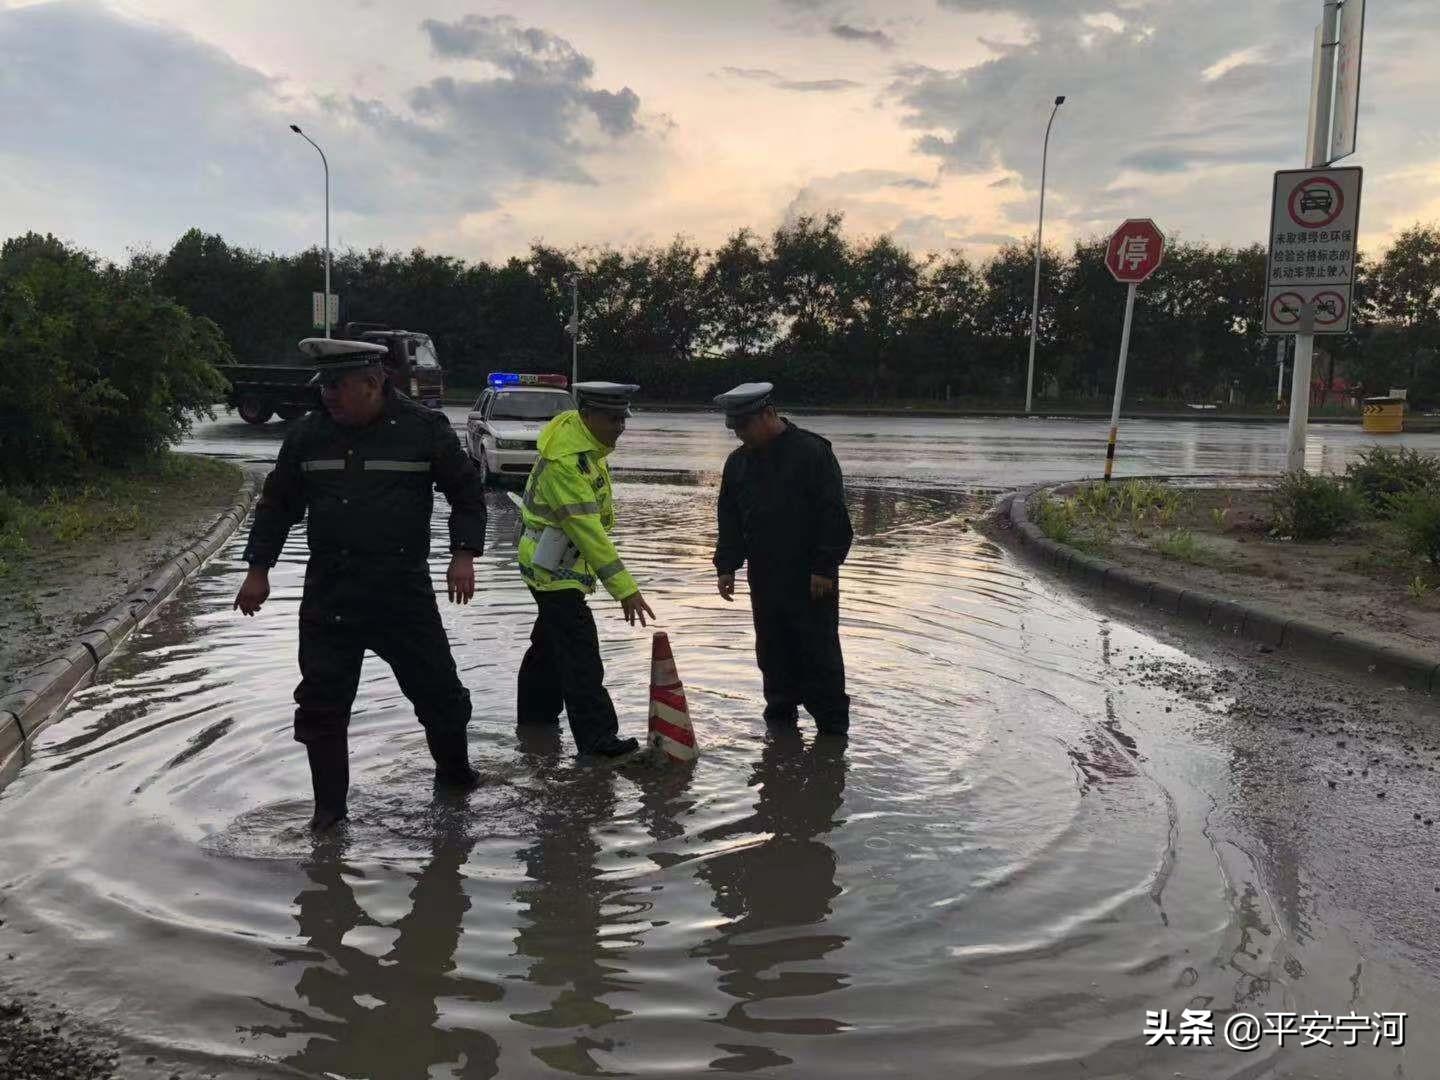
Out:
{"x": 745, "y": 400}
{"x": 605, "y": 396}
{"x": 335, "y": 358}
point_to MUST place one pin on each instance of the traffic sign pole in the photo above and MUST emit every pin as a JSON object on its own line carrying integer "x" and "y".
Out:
{"x": 1119, "y": 381}
{"x": 1305, "y": 342}
{"x": 1135, "y": 251}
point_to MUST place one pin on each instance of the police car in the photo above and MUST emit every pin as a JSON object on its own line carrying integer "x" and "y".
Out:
{"x": 501, "y": 429}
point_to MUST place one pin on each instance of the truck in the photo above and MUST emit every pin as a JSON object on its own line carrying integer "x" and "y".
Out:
{"x": 260, "y": 391}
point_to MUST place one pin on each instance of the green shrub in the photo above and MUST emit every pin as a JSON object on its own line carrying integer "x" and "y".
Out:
{"x": 1310, "y": 507}
{"x": 95, "y": 368}
{"x": 1381, "y": 474}
{"x": 1418, "y": 515}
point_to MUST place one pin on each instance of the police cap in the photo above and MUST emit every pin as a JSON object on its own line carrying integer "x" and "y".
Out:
{"x": 335, "y": 358}
{"x": 747, "y": 399}
{"x": 605, "y": 396}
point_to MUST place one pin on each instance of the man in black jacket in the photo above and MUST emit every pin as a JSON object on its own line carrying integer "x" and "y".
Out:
{"x": 362, "y": 467}
{"x": 782, "y": 510}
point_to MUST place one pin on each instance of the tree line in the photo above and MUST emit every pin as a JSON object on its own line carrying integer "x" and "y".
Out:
{"x": 828, "y": 317}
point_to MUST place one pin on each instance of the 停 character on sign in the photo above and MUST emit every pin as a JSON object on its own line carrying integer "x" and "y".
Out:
{"x": 1134, "y": 250}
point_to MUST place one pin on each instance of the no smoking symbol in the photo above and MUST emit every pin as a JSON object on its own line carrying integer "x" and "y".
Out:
{"x": 1315, "y": 202}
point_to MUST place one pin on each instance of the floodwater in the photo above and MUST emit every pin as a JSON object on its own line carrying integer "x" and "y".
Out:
{"x": 1035, "y": 834}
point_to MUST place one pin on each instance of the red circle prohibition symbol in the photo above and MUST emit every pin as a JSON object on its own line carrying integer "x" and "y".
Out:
{"x": 1329, "y": 312}
{"x": 1316, "y": 193}
{"x": 1286, "y": 314}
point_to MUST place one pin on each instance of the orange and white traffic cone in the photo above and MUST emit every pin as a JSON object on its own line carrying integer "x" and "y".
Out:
{"x": 670, "y": 730}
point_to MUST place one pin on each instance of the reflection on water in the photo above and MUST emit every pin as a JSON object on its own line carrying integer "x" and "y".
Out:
{"x": 1017, "y": 854}
{"x": 370, "y": 1013}
{"x": 776, "y": 897}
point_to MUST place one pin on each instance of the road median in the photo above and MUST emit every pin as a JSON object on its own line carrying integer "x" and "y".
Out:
{"x": 39, "y": 695}
{"x": 1320, "y": 624}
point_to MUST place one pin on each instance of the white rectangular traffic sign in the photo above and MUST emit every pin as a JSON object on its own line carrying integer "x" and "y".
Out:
{"x": 1314, "y": 226}
{"x": 317, "y": 309}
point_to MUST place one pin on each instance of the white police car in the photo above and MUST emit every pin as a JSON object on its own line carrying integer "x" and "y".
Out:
{"x": 501, "y": 429}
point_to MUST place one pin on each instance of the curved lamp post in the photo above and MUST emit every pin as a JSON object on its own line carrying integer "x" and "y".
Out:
{"x": 296, "y": 128}
{"x": 1039, "y": 240}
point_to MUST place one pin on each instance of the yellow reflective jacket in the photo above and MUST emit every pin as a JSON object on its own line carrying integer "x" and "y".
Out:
{"x": 569, "y": 489}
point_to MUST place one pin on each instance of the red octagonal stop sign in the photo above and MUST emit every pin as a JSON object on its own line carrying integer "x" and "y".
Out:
{"x": 1135, "y": 250}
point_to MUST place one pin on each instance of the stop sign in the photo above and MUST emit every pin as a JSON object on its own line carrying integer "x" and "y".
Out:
{"x": 1135, "y": 251}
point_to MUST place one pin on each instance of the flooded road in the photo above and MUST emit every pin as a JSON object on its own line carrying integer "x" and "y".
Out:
{"x": 1049, "y": 819}
{"x": 952, "y": 453}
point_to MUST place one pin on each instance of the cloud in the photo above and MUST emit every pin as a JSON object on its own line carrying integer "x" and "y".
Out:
{"x": 1030, "y": 9}
{"x": 775, "y": 79}
{"x": 548, "y": 82}
{"x": 525, "y": 53}
{"x": 846, "y": 32}
{"x": 149, "y": 130}
{"x": 1151, "y": 93}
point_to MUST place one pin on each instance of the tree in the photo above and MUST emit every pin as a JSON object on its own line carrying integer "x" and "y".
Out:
{"x": 95, "y": 368}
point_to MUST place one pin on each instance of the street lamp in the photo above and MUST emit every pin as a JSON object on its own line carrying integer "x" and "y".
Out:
{"x": 1039, "y": 239}
{"x": 296, "y": 128}
{"x": 573, "y": 280}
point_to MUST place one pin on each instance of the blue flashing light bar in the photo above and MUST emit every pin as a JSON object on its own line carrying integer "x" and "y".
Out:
{"x": 510, "y": 378}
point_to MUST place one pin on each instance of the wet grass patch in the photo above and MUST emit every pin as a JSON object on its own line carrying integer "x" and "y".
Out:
{"x": 101, "y": 506}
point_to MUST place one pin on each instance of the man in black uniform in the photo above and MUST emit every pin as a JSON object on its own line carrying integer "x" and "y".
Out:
{"x": 363, "y": 467}
{"x": 782, "y": 510}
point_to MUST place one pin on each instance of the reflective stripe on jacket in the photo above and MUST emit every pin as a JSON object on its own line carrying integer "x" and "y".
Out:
{"x": 569, "y": 489}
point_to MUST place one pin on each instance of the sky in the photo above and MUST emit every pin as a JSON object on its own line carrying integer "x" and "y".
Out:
{"x": 475, "y": 129}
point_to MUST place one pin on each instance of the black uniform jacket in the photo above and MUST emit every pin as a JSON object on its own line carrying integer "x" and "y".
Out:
{"x": 782, "y": 509}
{"x": 368, "y": 490}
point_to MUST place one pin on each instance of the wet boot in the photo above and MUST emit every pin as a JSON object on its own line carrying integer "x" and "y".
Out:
{"x": 330, "y": 776}
{"x": 612, "y": 746}
{"x": 451, "y": 752}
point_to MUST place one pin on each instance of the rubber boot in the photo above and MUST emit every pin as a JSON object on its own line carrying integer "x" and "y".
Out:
{"x": 451, "y": 752}
{"x": 330, "y": 776}
{"x": 612, "y": 746}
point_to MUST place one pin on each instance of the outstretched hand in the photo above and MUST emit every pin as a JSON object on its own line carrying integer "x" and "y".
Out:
{"x": 635, "y": 607}
{"x": 725, "y": 585}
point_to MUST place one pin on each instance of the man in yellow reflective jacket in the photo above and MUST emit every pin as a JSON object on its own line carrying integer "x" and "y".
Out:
{"x": 565, "y": 550}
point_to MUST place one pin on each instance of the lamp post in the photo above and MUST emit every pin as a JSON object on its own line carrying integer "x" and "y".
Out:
{"x": 1039, "y": 241}
{"x": 296, "y": 128}
{"x": 573, "y": 280}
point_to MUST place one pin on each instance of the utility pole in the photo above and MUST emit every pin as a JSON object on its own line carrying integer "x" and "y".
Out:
{"x": 573, "y": 280}
{"x": 1039, "y": 244}
{"x": 1319, "y": 158}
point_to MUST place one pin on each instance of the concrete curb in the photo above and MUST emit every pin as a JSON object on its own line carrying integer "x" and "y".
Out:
{"x": 37, "y": 701}
{"x": 1222, "y": 614}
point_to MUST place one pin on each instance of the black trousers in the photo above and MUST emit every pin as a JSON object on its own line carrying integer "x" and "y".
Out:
{"x": 562, "y": 668}
{"x": 797, "y": 645}
{"x": 397, "y": 619}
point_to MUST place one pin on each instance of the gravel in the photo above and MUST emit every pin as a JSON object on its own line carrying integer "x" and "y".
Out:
{"x": 35, "y": 1045}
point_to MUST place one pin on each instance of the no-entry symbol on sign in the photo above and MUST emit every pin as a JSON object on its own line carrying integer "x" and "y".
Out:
{"x": 1285, "y": 308}
{"x": 1316, "y": 202}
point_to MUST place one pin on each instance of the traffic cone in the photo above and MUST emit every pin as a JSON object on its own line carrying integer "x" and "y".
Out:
{"x": 670, "y": 730}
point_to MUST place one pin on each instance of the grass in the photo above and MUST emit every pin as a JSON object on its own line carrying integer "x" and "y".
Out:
{"x": 99, "y": 506}
{"x": 1180, "y": 545}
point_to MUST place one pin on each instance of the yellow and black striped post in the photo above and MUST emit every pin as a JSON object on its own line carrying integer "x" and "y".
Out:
{"x": 1119, "y": 381}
